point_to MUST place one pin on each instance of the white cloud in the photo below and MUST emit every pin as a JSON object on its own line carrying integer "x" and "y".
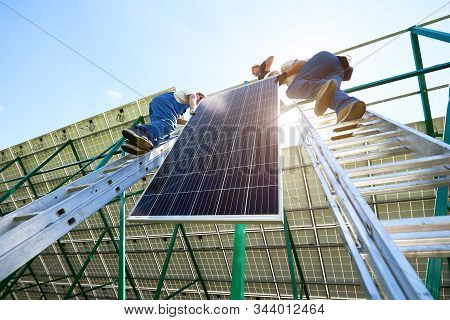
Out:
{"x": 114, "y": 94}
{"x": 2, "y": 108}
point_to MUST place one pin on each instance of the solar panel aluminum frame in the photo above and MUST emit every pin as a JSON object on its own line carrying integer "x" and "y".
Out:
{"x": 266, "y": 218}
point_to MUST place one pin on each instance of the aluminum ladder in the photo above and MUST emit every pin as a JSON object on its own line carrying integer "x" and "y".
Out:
{"x": 29, "y": 230}
{"x": 341, "y": 155}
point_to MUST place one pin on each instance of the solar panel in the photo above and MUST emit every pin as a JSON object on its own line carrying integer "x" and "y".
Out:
{"x": 225, "y": 165}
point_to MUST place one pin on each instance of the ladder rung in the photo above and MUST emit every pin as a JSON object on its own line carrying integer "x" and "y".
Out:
{"x": 370, "y": 147}
{"x": 402, "y": 176}
{"x": 421, "y": 238}
{"x": 429, "y": 251}
{"x": 400, "y": 165}
{"x": 406, "y": 186}
{"x": 343, "y": 125}
{"x": 112, "y": 169}
{"x": 376, "y": 155}
{"x": 436, "y": 223}
{"x": 354, "y": 132}
{"x": 26, "y": 216}
{"x": 365, "y": 139}
{"x": 78, "y": 188}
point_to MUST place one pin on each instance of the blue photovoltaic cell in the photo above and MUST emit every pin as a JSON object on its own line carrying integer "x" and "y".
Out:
{"x": 225, "y": 164}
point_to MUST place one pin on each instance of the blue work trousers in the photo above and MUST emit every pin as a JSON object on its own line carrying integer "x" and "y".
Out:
{"x": 164, "y": 111}
{"x": 319, "y": 69}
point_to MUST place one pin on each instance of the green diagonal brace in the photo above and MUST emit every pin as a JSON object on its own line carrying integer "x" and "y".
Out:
{"x": 191, "y": 254}
{"x": 30, "y": 184}
{"x": 92, "y": 289}
{"x": 77, "y": 157}
{"x": 116, "y": 247}
{"x": 85, "y": 264}
{"x": 69, "y": 264}
{"x": 9, "y": 164}
{"x": 303, "y": 287}
{"x": 166, "y": 263}
{"x": 31, "y": 173}
{"x": 14, "y": 277}
{"x": 290, "y": 259}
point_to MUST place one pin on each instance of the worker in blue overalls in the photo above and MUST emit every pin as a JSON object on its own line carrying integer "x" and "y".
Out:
{"x": 165, "y": 112}
{"x": 320, "y": 78}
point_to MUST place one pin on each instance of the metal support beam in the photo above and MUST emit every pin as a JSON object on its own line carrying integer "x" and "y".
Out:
{"x": 69, "y": 264}
{"x": 403, "y": 76}
{"x": 433, "y": 34}
{"x": 304, "y": 288}
{"x": 122, "y": 262}
{"x": 116, "y": 247}
{"x": 11, "y": 281}
{"x": 238, "y": 269}
{"x": 434, "y": 266}
{"x": 77, "y": 157}
{"x": 197, "y": 269}
{"x": 92, "y": 289}
{"x": 33, "y": 172}
{"x": 166, "y": 263}
{"x": 9, "y": 164}
{"x": 30, "y": 184}
{"x": 85, "y": 264}
{"x": 287, "y": 241}
{"x": 422, "y": 85}
{"x": 170, "y": 296}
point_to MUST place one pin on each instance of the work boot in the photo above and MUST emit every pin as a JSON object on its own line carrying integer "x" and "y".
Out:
{"x": 128, "y": 147}
{"x": 323, "y": 98}
{"x": 353, "y": 111}
{"x": 137, "y": 138}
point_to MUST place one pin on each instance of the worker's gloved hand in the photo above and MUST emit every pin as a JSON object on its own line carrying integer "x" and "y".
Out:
{"x": 191, "y": 112}
{"x": 281, "y": 78}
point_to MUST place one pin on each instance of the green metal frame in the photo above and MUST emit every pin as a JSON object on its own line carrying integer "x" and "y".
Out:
{"x": 157, "y": 295}
{"x": 290, "y": 245}
{"x": 432, "y": 34}
{"x": 434, "y": 265}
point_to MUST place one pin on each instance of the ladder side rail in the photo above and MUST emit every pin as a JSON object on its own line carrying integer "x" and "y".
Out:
{"x": 418, "y": 140}
{"x": 405, "y": 275}
{"x": 17, "y": 255}
{"x": 52, "y": 199}
{"x": 356, "y": 258}
{"x": 385, "y": 278}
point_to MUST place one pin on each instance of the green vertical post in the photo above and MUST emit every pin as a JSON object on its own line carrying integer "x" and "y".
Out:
{"x": 422, "y": 85}
{"x": 121, "y": 279}
{"x": 238, "y": 269}
{"x": 166, "y": 263}
{"x": 434, "y": 266}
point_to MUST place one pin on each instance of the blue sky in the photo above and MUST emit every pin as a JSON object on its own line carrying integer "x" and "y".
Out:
{"x": 205, "y": 45}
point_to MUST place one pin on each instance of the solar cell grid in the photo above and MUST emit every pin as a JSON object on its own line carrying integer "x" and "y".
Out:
{"x": 225, "y": 164}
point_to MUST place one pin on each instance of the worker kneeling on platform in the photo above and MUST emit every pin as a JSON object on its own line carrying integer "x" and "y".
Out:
{"x": 165, "y": 112}
{"x": 320, "y": 78}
